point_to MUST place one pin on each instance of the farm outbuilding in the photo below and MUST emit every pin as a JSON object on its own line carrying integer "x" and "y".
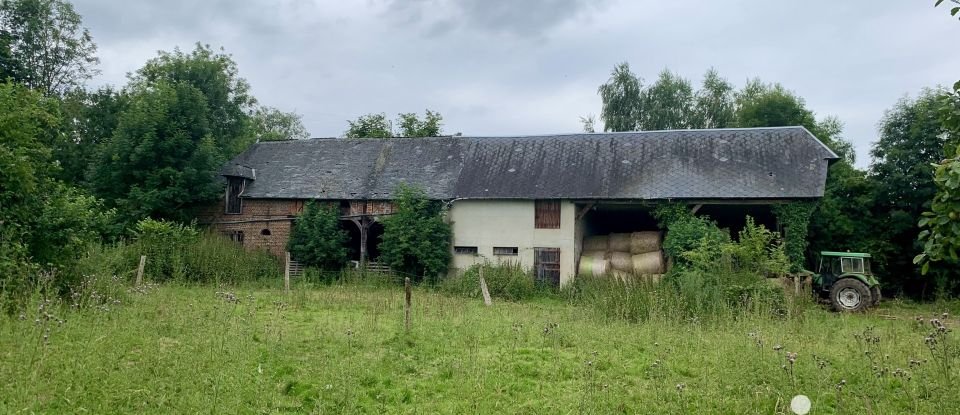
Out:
{"x": 534, "y": 200}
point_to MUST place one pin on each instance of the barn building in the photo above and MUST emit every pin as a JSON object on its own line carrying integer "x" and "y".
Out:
{"x": 527, "y": 199}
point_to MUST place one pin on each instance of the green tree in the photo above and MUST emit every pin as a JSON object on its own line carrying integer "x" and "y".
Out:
{"x": 162, "y": 159}
{"x": 43, "y": 223}
{"x": 668, "y": 104}
{"x": 370, "y": 126}
{"x": 416, "y": 238}
{"x": 410, "y": 125}
{"x": 215, "y": 75}
{"x": 10, "y": 68}
{"x": 588, "y": 123}
{"x": 317, "y": 239}
{"x": 713, "y": 102}
{"x": 912, "y": 138}
{"x": 46, "y": 38}
{"x": 89, "y": 118}
{"x": 271, "y": 124}
{"x": 760, "y": 105}
{"x": 941, "y": 223}
{"x": 24, "y": 117}
{"x": 622, "y": 99}
{"x": 954, "y": 11}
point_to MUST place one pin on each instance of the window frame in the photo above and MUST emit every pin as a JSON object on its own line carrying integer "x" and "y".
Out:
{"x": 506, "y": 250}
{"x": 546, "y": 270}
{"x": 231, "y": 183}
{"x": 470, "y": 250}
{"x": 546, "y": 214}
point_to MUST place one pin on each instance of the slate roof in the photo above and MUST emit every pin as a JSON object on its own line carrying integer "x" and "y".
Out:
{"x": 745, "y": 163}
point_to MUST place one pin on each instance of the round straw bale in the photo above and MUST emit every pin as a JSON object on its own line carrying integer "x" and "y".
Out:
{"x": 621, "y": 261}
{"x": 648, "y": 263}
{"x": 643, "y": 242}
{"x": 595, "y": 254}
{"x": 620, "y": 242}
{"x": 596, "y": 243}
{"x": 593, "y": 266}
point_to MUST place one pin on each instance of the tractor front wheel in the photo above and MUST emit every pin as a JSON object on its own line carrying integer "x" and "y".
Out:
{"x": 850, "y": 294}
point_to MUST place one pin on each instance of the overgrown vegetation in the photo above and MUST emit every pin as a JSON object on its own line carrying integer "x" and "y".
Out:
{"x": 794, "y": 218}
{"x": 505, "y": 281}
{"x": 343, "y": 348}
{"x": 686, "y": 231}
{"x": 317, "y": 240}
{"x": 416, "y": 238}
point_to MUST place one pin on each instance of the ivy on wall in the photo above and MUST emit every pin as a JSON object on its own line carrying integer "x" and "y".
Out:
{"x": 794, "y": 219}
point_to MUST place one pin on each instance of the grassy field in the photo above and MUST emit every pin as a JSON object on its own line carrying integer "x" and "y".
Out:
{"x": 343, "y": 349}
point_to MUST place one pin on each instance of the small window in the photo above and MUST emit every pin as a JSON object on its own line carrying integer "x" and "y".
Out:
{"x": 236, "y": 236}
{"x": 547, "y": 214}
{"x": 505, "y": 250}
{"x": 465, "y": 250}
{"x": 546, "y": 265}
{"x": 234, "y": 205}
{"x": 851, "y": 264}
{"x": 265, "y": 232}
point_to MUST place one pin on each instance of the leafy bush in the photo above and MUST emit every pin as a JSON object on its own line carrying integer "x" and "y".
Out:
{"x": 165, "y": 244}
{"x": 416, "y": 239}
{"x": 795, "y": 218}
{"x": 317, "y": 239}
{"x": 507, "y": 280}
{"x": 732, "y": 273}
{"x": 686, "y": 231}
{"x": 719, "y": 278}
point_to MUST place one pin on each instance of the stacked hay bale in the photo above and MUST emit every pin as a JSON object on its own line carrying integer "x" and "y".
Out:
{"x": 622, "y": 255}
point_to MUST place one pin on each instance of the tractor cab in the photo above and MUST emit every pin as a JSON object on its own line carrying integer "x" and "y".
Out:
{"x": 847, "y": 279}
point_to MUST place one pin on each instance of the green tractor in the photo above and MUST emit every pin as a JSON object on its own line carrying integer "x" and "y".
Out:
{"x": 846, "y": 280}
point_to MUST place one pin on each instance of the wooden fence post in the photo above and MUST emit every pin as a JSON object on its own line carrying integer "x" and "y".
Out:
{"x": 143, "y": 263}
{"x": 406, "y": 306}
{"x": 286, "y": 273}
{"x": 484, "y": 290}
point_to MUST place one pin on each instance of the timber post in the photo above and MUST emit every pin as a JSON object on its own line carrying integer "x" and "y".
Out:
{"x": 286, "y": 273}
{"x": 143, "y": 263}
{"x": 406, "y": 305}
{"x": 484, "y": 290}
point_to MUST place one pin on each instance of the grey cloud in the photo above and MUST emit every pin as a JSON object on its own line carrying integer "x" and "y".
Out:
{"x": 503, "y": 17}
{"x": 502, "y": 67}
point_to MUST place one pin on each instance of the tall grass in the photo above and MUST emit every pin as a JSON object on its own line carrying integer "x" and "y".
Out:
{"x": 205, "y": 258}
{"x": 507, "y": 280}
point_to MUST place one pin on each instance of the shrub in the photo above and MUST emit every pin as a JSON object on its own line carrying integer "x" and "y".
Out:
{"x": 733, "y": 274}
{"x": 718, "y": 278}
{"x": 212, "y": 258}
{"x": 686, "y": 231}
{"x": 416, "y": 239}
{"x": 316, "y": 238}
{"x": 180, "y": 252}
{"x": 165, "y": 244}
{"x": 507, "y": 280}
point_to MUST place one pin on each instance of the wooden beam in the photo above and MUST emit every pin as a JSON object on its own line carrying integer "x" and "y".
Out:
{"x": 696, "y": 208}
{"x": 586, "y": 208}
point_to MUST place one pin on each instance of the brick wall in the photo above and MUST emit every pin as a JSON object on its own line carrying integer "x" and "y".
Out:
{"x": 265, "y": 223}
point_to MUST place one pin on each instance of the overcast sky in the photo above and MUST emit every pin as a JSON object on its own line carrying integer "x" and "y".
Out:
{"x": 503, "y": 67}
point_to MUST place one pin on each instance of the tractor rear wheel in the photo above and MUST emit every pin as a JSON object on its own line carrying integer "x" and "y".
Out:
{"x": 850, "y": 294}
{"x": 875, "y": 293}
